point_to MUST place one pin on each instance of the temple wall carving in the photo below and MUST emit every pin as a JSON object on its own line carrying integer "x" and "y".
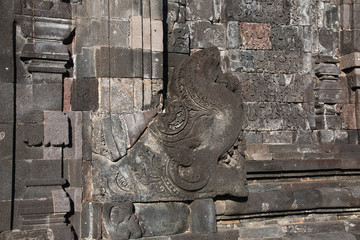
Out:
{"x": 179, "y": 119}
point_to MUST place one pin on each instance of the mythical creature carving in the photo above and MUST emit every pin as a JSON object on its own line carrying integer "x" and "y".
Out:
{"x": 191, "y": 150}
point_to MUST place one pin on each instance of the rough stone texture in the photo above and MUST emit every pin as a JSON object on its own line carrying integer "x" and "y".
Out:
{"x": 163, "y": 218}
{"x": 255, "y": 35}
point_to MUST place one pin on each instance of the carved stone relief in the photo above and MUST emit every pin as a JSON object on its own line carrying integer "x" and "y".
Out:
{"x": 189, "y": 151}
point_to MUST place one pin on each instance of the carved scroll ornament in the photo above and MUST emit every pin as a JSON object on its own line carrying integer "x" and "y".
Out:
{"x": 192, "y": 149}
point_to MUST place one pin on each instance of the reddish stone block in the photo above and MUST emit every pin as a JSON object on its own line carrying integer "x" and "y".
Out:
{"x": 67, "y": 94}
{"x": 255, "y": 35}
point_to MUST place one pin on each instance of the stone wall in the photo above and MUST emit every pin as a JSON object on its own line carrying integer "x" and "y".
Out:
{"x": 119, "y": 119}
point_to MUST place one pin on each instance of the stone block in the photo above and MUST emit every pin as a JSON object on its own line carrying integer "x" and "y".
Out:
{"x": 157, "y": 65}
{"x": 90, "y": 224}
{"x": 34, "y": 135}
{"x": 146, "y": 33}
{"x": 341, "y": 136}
{"x": 287, "y": 38}
{"x": 120, "y": 221}
{"x": 136, "y": 38}
{"x": 147, "y": 94}
{"x": 261, "y": 232}
{"x": 232, "y": 234}
{"x": 147, "y": 64}
{"x": 122, "y": 95}
{"x": 257, "y": 152}
{"x": 44, "y": 234}
{"x": 205, "y": 34}
{"x": 87, "y": 187}
{"x": 52, "y": 29}
{"x": 76, "y": 198}
{"x": 163, "y": 218}
{"x": 157, "y": 44}
{"x": 74, "y": 149}
{"x": 5, "y": 212}
{"x": 255, "y": 35}
{"x": 252, "y": 137}
{"x": 233, "y": 35}
{"x": 6, "y": 172}
{"x": 6, "y": 142}
{"x": 124, "y": 63}
{"x": 350, "y": 41}
{"x": 274, "y": 137}
{"x": 179, "y": 40}
{"x": 39, "y": 77}
{"x": 326, "y": 136}
{"x": 86, "y": 136}
{"x": 354, "y": 78}
{"x": 6, "y": 45}
{"x": 138, "y": 94}
{"x": 350, "y": 60}
{"x": 104, "y": 94}
{"x": 84, "y": 94}
{"x": 278, "y": 12}
{"x": 324, "y": 236}
{"x": 121, "y": 9}
{"x": 175, "y": 58}
{"x": 156, "y": 7}
{"x": 73, "y": 171}
{"x": 200, "y": 10}
{"x": 47, "y": 97}
{"x": 7, "y": 102}
{"x": 67, "y": 94}
{"x": 56, "y": 129}
{"x": 51, "y": 153}
{"x": 328, "y": 41}
{"x": 60, "y": 10}
{"x": 22, "y": 150}
{"x": 85, "y": 66}
{"x": 61, "y": 201}
{"x": 202, "y": 216}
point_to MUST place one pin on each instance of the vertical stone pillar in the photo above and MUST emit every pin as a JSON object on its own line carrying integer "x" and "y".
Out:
{"x": 328, "y": 93}
{"x": 7, "y": 113}
{"x": 350, "y": 59}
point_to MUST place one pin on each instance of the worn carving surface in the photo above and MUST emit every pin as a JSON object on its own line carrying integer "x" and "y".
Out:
{"x": 191, "y": 150}
{"x": 120, "y": 221}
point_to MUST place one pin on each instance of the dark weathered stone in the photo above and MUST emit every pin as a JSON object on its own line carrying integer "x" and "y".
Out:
{"x": 84, "y": 92}
{"x": 200, "y": 10}
{"x": 206, "y": 35}
{"x": 159, "y": 219}
{"x": 247, "y": 11}
{"x": 22, "y": 150}
{"x": 120, "y": 221}
{"x": 7, "y": 106}
{"x": 5, "y": 211}
{"x": 202, "y": 217}
{"x": 6, "y": 45}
